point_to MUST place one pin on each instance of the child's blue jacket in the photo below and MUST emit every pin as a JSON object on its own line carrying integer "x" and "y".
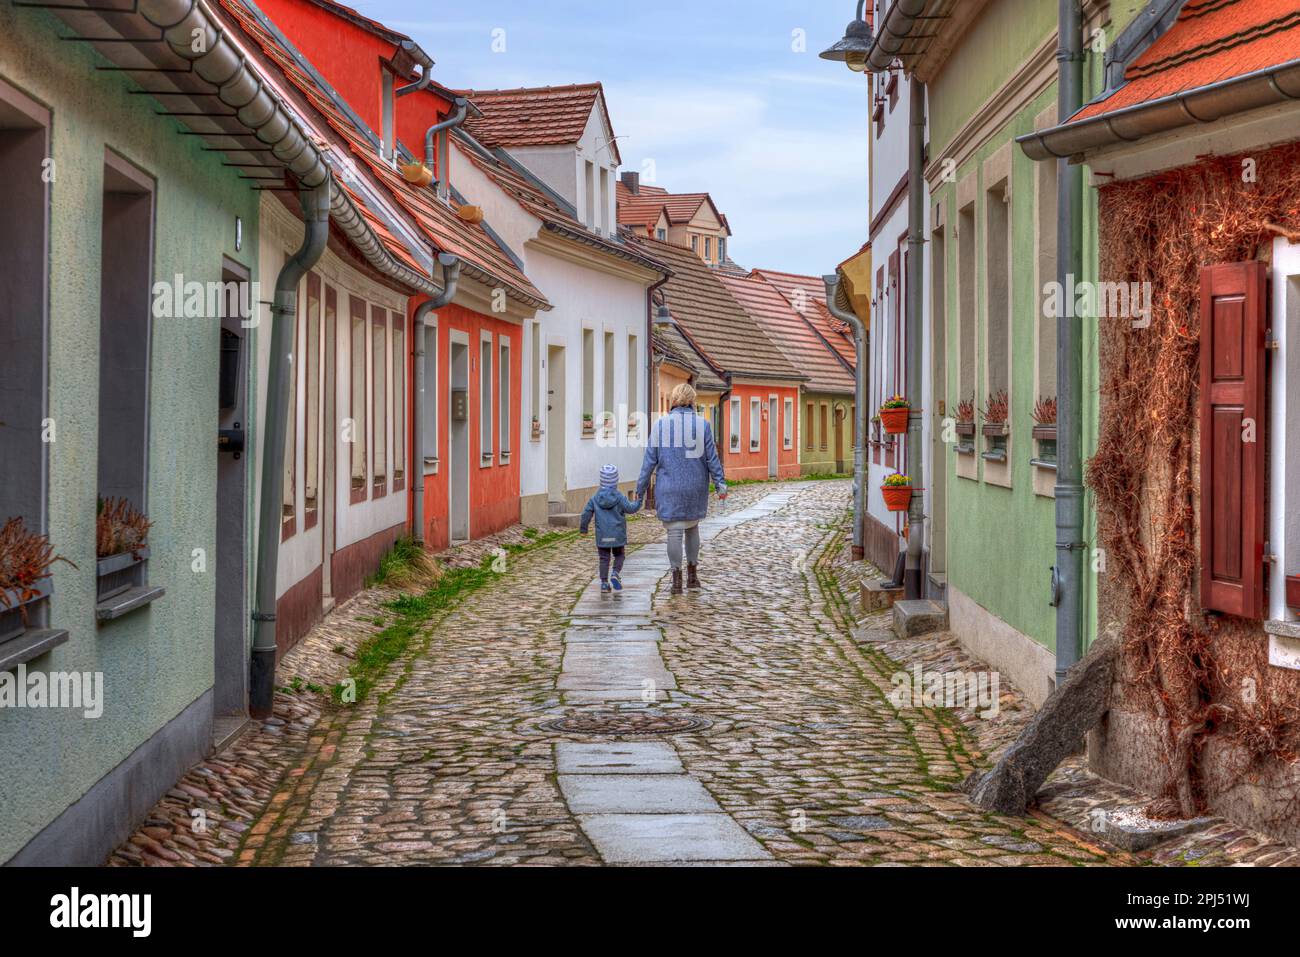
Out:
{"x": 609, "y": 506}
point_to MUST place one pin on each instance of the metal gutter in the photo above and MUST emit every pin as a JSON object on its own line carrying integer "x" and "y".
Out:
{"x": 896, "y": 27}
{"x": 450, "y": 278}
{"x": 861, "y": 364}
{"x": 914, "y": 566}
{"x": 284, "y": 309}
{"x": 1202, "y": 104}
{"x": 424, "y": 62}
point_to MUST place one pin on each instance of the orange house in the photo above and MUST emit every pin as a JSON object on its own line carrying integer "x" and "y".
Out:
{"x": 756, "y": 421}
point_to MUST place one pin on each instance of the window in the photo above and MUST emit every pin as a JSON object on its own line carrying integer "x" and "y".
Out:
{"x": 1046, "y": 185}
{"x": 966, "y": 305}
{"x": 289, "y": 478}
{"x": 358, "y": 431}
{"x": 722, "y": 250}
{"x": 429, "y": 424}
{"x": 125, "y": 284}
{"x": 997, "y": 287}
{"x": 602, "y": 217}
{"x": 24, "y": 330}
{"x": 661, "y": 235}
{"x": 485, "y": 397}
{"x": 386, "y": 119}
{"x": 588, "y": 379}
{"x": 822, "y": 446}
{"x": 379, "y": 395}
{"x": 311, "y": 362}
{"x": 537, "y": 378}
{"x": 399, "y": 401}
{"x": 809, "y": 433}
{"x": 591, "y": 193}
{"x": 708, "y": 249}
{"x": 633, "y": 385}
{"x": 755, "y": 424}
{"x": 787, "y": 422}
{"x": 503, "y": 404}
{"x": 608, "y": 362}
{"x": 695, "y": 243}
{"x": 734, "y": 443}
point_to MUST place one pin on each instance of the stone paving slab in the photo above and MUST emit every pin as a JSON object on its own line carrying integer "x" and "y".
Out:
{"x": 642, "y": 838}
{"x": 632, "y": 757}
{"x": 635, "y": 794}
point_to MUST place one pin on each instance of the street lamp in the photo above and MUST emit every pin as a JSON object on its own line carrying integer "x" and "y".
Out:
{"x": 852, "y": 50}
{"x": 664, "y": 318}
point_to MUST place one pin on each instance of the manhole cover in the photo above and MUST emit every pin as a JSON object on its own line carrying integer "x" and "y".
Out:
{"x": 626, "y": 724}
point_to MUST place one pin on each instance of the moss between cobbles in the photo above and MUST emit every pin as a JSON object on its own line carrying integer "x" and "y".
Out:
{"x": 413, "y": 612}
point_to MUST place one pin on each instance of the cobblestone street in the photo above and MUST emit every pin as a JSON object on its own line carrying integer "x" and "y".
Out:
{"x": 802, "y": 759}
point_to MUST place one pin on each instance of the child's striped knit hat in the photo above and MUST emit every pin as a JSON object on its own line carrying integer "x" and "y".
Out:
{"x": 609, "y": 476}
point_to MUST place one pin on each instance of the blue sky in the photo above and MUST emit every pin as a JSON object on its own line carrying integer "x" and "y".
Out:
{"x": 714, "y": 93}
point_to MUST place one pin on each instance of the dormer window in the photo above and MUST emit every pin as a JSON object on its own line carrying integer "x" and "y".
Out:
{"x": 661, "y": 235}
{"x": 722, "y": 250}
{"x": 708, "y": 249}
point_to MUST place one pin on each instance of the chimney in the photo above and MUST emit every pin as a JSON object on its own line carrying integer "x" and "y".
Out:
{"x": 632, "y": 181}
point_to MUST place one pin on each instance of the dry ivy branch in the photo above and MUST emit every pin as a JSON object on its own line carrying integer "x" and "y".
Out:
{"x": 1162, "y": 230}
{"x": 119, "y": 528}
{"x": 25, "y": 559}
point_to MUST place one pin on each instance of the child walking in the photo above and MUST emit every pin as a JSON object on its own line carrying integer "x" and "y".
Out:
{"x": 610, "y": 508}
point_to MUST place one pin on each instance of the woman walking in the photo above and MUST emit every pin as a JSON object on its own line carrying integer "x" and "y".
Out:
{"x": 681, "y": 454}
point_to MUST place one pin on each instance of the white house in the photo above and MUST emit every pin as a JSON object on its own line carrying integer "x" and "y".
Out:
{"x": 547, "y": 186}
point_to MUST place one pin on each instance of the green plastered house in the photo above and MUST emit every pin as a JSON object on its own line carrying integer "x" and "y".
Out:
{"x": 989, "y": 70}
{"x": 134, "y": 161}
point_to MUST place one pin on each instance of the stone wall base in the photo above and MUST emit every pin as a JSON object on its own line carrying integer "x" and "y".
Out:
{"x": 1013, "y": 654}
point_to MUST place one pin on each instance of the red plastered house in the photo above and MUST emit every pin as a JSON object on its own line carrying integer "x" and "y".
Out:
{"x": 353, "y": 68}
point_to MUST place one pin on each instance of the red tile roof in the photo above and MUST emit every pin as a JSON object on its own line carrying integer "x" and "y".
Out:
{"x": 712, "y": 320}
{"x": 807, "y": 296}
{"x": 361, "y": 20}
{"x": 481, "y": 256}
{"x": 793, "y": 335}
{"x": 1211, "y": 41}
{"x": 536, "y": 116}
{"x": 642, "y": 208}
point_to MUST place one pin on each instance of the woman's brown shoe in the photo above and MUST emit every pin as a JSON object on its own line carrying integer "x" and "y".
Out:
{"x": 677, "y": 582}
{"x": 692, "y": 576}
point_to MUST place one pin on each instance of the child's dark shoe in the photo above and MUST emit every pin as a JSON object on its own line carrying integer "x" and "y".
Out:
{"x": 616, "y": 583}
{"x": 604, "y": 586}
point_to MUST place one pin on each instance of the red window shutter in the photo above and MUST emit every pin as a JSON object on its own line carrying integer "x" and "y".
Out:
{"x": 1234, "y": 323}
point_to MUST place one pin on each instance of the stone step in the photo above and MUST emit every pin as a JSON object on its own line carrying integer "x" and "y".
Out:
{"x": 919, "y": 617}
{"x": 878, "y": 595}
{"x": 565, "y": 519}
{"x": 555, "y": 508}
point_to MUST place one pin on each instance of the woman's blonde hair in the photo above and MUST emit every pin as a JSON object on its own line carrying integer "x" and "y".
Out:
{"x": 683, "y": 394}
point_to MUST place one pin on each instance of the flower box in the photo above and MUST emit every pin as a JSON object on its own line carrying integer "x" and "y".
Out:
{"x": 116, "y": 574}
{"x": 895, "y": 420}
{"x": 16, "y": 612}
{"x": 994, "y": 429}
{"x": 966, "y": 428}
{"x": 898, "y": 498}
{"x": 1045, "y": 433}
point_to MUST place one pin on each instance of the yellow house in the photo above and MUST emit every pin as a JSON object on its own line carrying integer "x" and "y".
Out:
{"x": 689, "y": 220}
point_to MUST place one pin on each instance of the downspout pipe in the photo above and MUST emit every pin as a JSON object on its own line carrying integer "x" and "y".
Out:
{"x": 450, "y": 279}
{"x": 652, "y": 367}
{"x": 456, "y": 118}
{"x": 861, "y": 368}
{"x": 284, "y": 313}
{"x": 424, "y": 62}
{"x": 1070, "y": 546}
{"x": 914, "y": 566}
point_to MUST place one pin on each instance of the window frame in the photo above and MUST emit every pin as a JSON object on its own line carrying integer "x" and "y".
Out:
{"x": 733, "y": 433}
{"x": 787, "y": 423}
{"x": 380, "y": 398}
{"x": 398, "y": 376}
{"x": 358, "y": 379}
{"x": 755, "y": 423}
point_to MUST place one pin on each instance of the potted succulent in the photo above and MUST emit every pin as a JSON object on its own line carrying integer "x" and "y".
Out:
{"x": 1045, "y": 430}
{"x": 588, "y": 423}
{"x": 897, "y": 492}
{"x": 966, "y": 416}
{"x": 121, "y": 532}
{"x": 537, "y": 428}
{"x": 25, "y": 560}
{"x": 893, "y": 414}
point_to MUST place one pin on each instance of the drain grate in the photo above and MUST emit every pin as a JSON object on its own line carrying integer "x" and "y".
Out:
{"x": 627, "y": 723}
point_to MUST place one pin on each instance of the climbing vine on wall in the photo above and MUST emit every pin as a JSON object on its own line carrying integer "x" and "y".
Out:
{"x": 1191, "y": 672}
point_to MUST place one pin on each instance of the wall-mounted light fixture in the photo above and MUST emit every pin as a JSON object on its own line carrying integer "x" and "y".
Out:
{"x": 853, "y": 48}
